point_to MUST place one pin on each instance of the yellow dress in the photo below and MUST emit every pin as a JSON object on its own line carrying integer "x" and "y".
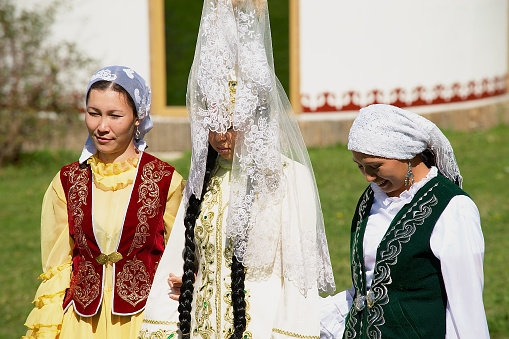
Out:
{"x": 111, "y": 190}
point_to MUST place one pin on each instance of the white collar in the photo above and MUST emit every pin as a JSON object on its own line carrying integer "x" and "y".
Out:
{"x": 406, "y": 196}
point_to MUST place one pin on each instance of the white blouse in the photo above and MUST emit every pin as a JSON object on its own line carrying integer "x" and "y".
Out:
{"x": 457, "y": 241}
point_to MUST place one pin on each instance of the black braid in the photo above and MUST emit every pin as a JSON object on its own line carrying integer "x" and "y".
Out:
{"x": 238, "y": 299}
{"x": 192, "y": 213}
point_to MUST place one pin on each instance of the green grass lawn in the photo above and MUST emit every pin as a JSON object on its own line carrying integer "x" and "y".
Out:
{"x": 483, "y": 158}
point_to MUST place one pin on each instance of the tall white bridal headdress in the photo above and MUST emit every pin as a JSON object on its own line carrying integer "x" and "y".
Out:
{"x": 232, "y": 84}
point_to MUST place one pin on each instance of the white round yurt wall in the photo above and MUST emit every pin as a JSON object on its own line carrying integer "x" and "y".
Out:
{"x": 112, "y": 32}
{"x": 403, "y": 52}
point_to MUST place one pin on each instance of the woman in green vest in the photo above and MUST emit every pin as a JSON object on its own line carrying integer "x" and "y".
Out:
{"x": 416, "y": 242}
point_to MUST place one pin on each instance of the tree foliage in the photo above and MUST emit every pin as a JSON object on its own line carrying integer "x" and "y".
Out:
{"x": 35, "y": 78}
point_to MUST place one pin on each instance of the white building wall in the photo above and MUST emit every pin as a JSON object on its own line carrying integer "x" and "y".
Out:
{"x": 411, "y": 52}
{"x": 112, "y": 32}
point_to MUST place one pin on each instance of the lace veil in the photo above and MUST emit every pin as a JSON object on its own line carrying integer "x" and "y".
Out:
{"x": 394, "y": 133}
{"x": 232, "y": 84}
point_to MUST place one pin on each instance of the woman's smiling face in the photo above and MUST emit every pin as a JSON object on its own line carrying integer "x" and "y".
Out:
{"x": 388, "y": 174}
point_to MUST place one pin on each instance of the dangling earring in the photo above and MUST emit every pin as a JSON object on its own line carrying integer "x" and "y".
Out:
{"x": 137, "y": 134}
{"x": 409, "y": 176}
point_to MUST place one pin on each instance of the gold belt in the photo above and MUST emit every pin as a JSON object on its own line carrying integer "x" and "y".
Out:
{"x": 104, "y": 258}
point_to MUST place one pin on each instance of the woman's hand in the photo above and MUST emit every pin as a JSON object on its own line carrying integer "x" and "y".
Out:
{"x": 174, "y": 282}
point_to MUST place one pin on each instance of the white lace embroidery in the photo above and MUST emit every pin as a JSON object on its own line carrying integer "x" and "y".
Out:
{"x": 391, "y": 132}
{"x": 270, "y": 160}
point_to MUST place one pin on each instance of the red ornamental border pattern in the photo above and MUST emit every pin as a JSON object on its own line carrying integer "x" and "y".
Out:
{"x": 419, "y": 96}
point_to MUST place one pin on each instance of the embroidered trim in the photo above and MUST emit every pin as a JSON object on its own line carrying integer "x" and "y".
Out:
{"x": 77, "y": 196}
{"x": 403, "y": 231}
{"x": 133, "y": 283}
{"x": 357, "y": 265}
{"x": 210, "y": 255}
{"x": 219, "y": 252}
{"x": 87, "y": 284}
{"x": 149, "y": 194}
{"x": 397, "y": 234}
{"x": 160, "y": 322}
{"x": 294, "y": 335}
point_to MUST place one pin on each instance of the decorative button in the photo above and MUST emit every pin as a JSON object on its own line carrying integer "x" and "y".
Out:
{"x": 104, "y": 258}
{"x": 360, "y": 302}
{"x": 370, "y": 298}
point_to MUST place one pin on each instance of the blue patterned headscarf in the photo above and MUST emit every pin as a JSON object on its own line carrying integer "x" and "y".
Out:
{"x": 140, "y": 92}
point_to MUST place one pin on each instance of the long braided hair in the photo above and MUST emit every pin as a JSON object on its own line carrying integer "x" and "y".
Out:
{"x": 192, "y": 212}
{"x": 188, "y": 278}
{"x": 238, "y": 298}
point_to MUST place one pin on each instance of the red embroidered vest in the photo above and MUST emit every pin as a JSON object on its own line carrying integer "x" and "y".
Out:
{"x": 141, "y": 241}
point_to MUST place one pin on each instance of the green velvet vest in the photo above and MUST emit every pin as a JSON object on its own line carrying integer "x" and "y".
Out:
{"x": 407, "y": 298}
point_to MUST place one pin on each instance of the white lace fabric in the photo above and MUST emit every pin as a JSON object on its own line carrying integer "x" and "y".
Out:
{"x": 234, "y": 50}
{"x": 394, "y": 133}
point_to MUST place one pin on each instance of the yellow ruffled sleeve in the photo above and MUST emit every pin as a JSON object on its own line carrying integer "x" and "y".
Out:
{"x": 172, "y": 203}
{"x": 45, "y": 320}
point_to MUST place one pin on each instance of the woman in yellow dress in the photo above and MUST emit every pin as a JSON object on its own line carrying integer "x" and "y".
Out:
{"x": 105, "y": 219}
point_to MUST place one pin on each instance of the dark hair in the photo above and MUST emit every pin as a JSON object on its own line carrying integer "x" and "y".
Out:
{"x": 187, "y": 288}
{"x": 103, "y": 85}
{"x": 238, "y": 298}
{"x": 428, "y": 158}
{"x": 192, "y": 212}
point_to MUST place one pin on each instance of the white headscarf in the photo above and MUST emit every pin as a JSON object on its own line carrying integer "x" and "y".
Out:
{"x": 234, "y": 54}
{"x": 394, "y": 133}
{"x": 140, "y": 92}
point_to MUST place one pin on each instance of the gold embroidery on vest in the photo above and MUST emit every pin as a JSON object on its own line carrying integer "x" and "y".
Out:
{"x": 133, "y": 283}
{"x": 78, "y": 192}
{"x": 149, "y": 196}
{"x": 219, "y": 255}
{"x": 87, "y": 283}
{"x": 203, "y": 297}
{"x": 210, "y": 262}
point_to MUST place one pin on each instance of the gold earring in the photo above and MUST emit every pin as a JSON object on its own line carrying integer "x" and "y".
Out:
{"x": 409, "y": 176}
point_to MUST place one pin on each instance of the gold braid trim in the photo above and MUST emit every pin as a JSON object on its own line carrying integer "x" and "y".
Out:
{"x": 294, "y": 335}
{"x": 158, "y": 322}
